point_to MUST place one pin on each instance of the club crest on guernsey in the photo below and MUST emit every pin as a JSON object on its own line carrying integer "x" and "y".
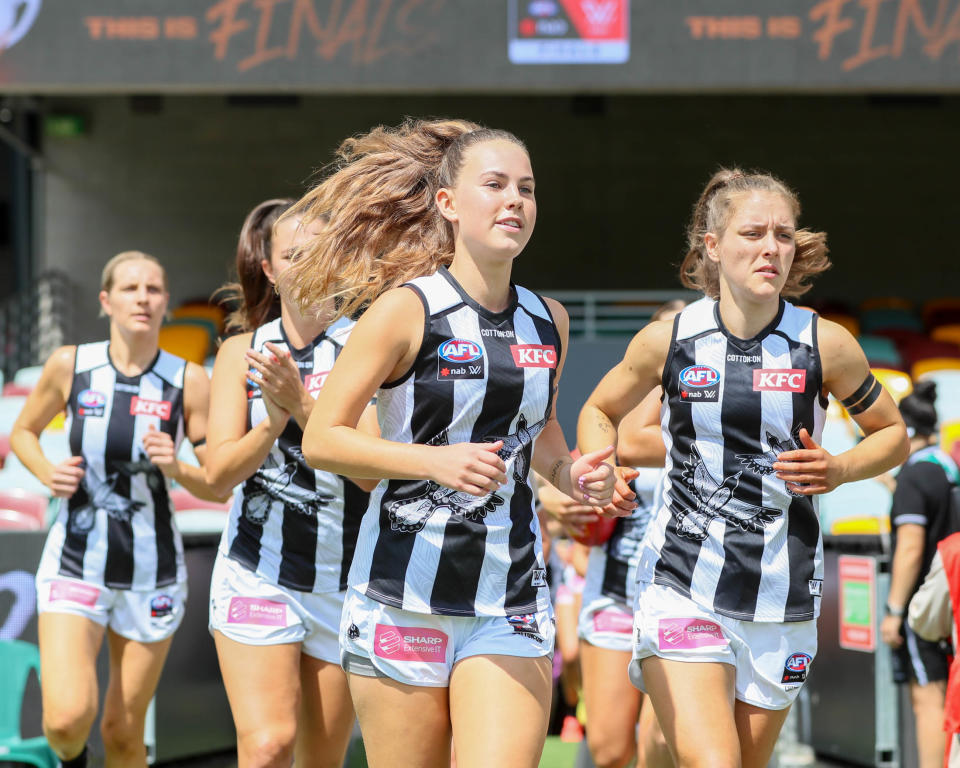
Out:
{"x": 715, "y": 499}
{"x": 411, "y": 515}
{"x": 762, "y": 463}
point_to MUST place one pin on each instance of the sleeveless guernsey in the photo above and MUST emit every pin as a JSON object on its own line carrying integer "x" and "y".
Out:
{"x": 479, "y": 377}
{"x": 727, "y": 533}
{"x": 293, "y": 525}
{"x": 117, "y": 530}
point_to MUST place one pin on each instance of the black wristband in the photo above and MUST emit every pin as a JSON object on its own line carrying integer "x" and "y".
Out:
{"x": 861, "y": 391}
{"x": 201, "y": 441}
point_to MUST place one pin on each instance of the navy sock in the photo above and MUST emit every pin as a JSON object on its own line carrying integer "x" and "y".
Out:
{"x": 80, "y": 761}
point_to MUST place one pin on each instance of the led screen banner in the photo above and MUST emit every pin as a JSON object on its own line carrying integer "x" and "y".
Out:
{"x": 493, "y": 46}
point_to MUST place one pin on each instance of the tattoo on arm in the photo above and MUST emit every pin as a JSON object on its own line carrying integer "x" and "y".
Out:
{"x": 555, "y": 470}
{"x": 604, "y": 425}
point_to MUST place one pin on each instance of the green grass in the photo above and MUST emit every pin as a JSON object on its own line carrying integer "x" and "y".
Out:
{"x": 556, "y": 754}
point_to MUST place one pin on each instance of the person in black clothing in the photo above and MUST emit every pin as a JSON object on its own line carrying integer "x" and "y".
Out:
{"x": 919, "y": 519}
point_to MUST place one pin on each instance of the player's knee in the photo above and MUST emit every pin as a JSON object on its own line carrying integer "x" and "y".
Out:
{"x": 122, "y": 734}
{"x": 67, "y": 724}
{"x": 608, "y": 751}
{"x": 269, "y": 747}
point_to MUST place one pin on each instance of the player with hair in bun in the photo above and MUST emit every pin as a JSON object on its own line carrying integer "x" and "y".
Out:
{"x": 731, "y": 569}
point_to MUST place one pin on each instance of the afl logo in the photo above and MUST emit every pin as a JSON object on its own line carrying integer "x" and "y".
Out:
{"x": 90, "y": 398}
{"x": 460, "y": 351}
{"x": 161, "y": 605}
{"x": 90, "y": 402}
{"x": 699, "y": 376}
{"x": 798, "y": 662}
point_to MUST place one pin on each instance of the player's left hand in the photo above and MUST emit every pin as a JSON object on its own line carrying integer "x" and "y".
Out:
{"x": 808, "y": 470}
{"x": 591, "y": 479}
{"x": 161, "y": 451}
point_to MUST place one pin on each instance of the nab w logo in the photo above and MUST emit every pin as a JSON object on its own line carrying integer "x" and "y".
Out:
{"x": 599, "y": 13}
{"x": 16, "y": 18}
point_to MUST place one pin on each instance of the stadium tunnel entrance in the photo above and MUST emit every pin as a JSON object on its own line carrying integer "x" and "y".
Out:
{"x": 616, "y": 176}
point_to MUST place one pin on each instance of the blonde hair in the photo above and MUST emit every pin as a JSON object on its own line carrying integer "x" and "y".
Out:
{"x": 110, "y": 269}
{"x": 712, "y": 213}
{"x": 382, "y": 227}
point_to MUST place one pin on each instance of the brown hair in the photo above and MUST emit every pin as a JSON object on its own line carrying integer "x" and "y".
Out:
{"x": 674, "y": 305}
{"x": 382, "y": 227}
{"x": 258, "y": 301}
{"x": 712, "y": 214}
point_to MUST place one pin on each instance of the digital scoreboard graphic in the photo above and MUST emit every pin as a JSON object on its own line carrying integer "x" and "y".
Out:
{"x": 569, "y": 31}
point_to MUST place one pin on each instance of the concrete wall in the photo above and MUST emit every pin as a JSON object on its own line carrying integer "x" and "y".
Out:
{"x": 616, "y": 179}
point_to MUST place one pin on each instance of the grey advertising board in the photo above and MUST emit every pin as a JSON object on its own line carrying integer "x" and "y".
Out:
{"x": 492, "y": 46}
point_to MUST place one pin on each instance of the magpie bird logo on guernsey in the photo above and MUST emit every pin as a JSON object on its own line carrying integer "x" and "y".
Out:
{"x": 411, "y": 515}
{"x": 762, "y": 463}
{"x": 272, "y": 487}
{"x": 716, "y": 500}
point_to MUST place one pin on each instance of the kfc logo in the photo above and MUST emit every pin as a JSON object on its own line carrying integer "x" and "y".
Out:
{"x": 779, "y": 380}
{"x": 140, "y": 406}
{"x": 534, "y": 355}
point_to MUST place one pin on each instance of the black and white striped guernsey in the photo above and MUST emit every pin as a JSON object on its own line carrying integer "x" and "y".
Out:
{"x": 293, "y": 525}
{"x": 727, "y": 533}
{"x": 479, "y": 377}
{"x": 612, "y": 567}
{"x": 117, "y": 530}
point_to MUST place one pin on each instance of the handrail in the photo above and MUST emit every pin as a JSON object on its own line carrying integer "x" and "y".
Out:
{"x": 606, "y": 314}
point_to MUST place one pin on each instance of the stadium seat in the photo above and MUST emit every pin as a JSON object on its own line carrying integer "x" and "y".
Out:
{"x": 17, "y": 660}
{"x": 11, "y": 520}
{"x": 927, "y": 348}
{"x": 949, "y": 332}
{"x": 886, "y": 302}
{"x": 897, "y": 383}
{"x": 29, "y": 376}
{"x": 183, "y": 501}
{"x": 847, "y": 321}
{"x": 933, "y": 364}
{"x": 950, "y": 436}
{"x": 191, "y": 342}
{"x": 10, "y": 407}
{"x": 15, "y": 476}
{"x": 12, "y": 389}
{"x": 32, "y": 505}
{"x": 200, "y": 322}
{"x": 889, "y": 317}
{"x": 212, "y": 312}
{"x": 880, "y": 351}
{"x": 863, "y": 500}
{"x": 948, "y": 393}
{"x": 941, "y": 311}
